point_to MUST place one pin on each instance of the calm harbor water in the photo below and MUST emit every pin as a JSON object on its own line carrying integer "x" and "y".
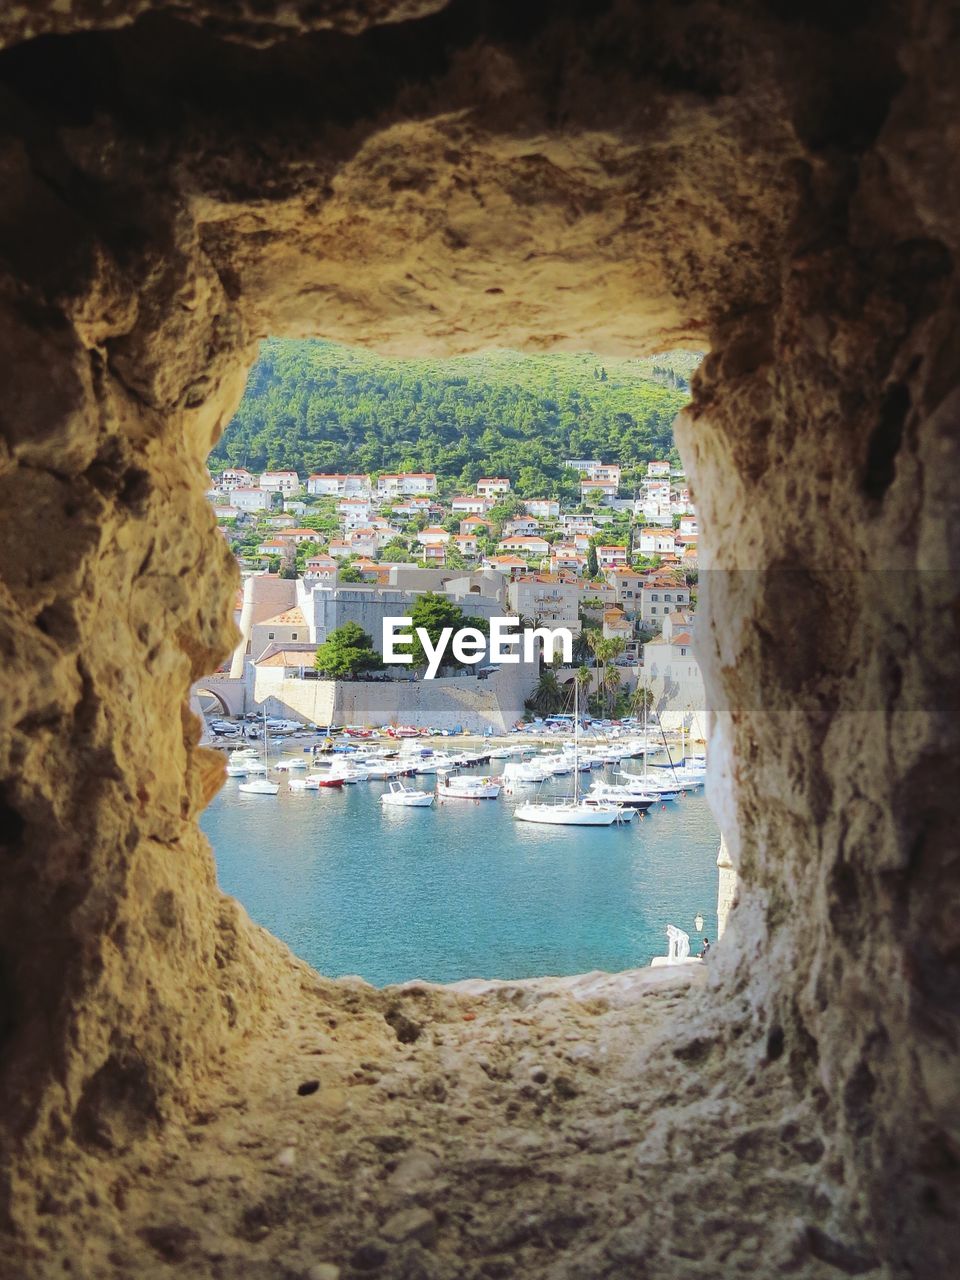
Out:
{"x": 461, "y": 889}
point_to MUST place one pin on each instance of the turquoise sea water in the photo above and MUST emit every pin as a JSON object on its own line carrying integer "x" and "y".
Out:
{"x": 461, "y": 889}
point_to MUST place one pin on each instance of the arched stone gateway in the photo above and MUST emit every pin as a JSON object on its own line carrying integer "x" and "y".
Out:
{"x": 181, "y": 1097}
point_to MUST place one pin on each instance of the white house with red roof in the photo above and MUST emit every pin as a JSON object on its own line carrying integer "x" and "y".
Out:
{"x": 525, "y": 544}
{"x": 475, "y": 525}
{"x": 338, "y": 486}
{"x": 406, "y": 483}
{"x": 610, "y": 556}
{"x": 285, "y": 482}
{"x": 235, "y": 478}
{"x": 492, "y": 486}
{"x": 523, "y": 525}
{"x": 466, "y": 544}
{"x": 651, "y": 541}
{"x": 512, "y": 566}
{"x": 468, "y": 504}
{"x": 604, "y": 489}
{"x": 565, "y": 558}
{"x": 658, "y": 467}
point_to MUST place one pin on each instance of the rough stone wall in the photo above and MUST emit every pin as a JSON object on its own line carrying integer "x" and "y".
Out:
{"x": 773, "y": 182}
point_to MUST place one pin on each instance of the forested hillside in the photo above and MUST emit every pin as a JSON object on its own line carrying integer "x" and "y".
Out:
{"x": 315, "y": 406}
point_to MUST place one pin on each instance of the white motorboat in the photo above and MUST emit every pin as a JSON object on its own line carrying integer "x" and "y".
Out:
{"x": 260, "y": 786}
{"x": 290, "y": 763}
{"x": 516, "y": 772}
{"x": 644, "y": 785}
{"x": 462, "y": 787}
{"x": 406, "y": 797}
{"x": 243, "y": 761}
{"x": 574, "y": 812}
{"x": 304, "y": 784}
{"x": 609, "y": 793}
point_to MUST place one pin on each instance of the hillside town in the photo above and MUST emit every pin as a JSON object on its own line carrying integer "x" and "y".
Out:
{"x": 321, "y": 551}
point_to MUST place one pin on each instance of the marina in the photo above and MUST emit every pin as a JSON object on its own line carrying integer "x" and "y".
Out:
{"x": 452, "y": 886}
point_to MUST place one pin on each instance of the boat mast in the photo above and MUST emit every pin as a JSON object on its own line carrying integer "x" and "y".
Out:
{"x": 576, "y": 742}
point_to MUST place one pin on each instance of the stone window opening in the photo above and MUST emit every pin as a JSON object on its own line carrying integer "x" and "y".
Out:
{"x": 179, "y": 1093}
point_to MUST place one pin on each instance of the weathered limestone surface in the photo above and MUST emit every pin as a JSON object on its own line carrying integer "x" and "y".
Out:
{"x": 776, "y": 183}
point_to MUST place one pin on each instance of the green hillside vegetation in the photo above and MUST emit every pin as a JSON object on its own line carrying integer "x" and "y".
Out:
{"x": 314, "y": 406}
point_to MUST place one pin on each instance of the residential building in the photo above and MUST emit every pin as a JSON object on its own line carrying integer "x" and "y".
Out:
{"x": 225, "y": 511}
{"x": 628, "y": 587}
{"x": 550, "y": 599}
{"x": 611, "y": 557}
{"x": 415, "y": 506}
{"x": 285, "y": 482}
{"x": 542, "y": 508}
{"x": 475, "y": 525}
{"x": 433, "y": 537}
{"x": 469, "y": 505}
{"x": 296, "y": 536}
{"x": 658, "y": 467}
{"x": 671, "y": 669}
{"x": 617, "y": 626}
{"x": 362, "y": 542}
{"x": 578, "y": 522}
{"x": 339, "y": 486}
{"x": 513, "y": 566}
{"x": 491, "y": 486}
{"x": 275, "y": 547}
{"x": 653, "y": 542}
{"x": 406, "y": 483}
{"x": 604, "y": 489}
{"x": 280, "y": 522}
{"x": 688, "y": 525}
{"x": 527, "y": 545}
{"x": 235, "y": 478}
{"x": 251, "y": 499}
{"x": 584, "y": 465}
{"x": 354, "y": 511}
{"x": 608, "y": 472}
{"x": 323, "y": 567}
{"x": 295, "y": 507}
{"x": 466, "y": 544}
{"x": 565, "y": 558}
{"x": 659, "y": 597}
{"x": 523, "y": 525}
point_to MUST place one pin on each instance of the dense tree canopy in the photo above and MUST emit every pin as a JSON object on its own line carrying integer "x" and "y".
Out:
{"x": 346, "y": 652}
{"x": 314, "y": 406}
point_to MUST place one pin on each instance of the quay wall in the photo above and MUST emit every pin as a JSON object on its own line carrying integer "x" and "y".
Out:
{"x": 495, "y": 703}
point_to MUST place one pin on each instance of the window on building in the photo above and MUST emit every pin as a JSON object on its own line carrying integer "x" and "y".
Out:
{"x": 269, "y": 635}
{"x": 668, "y": 597}
{"x": 293, "y": 635}
{"x": 654, "y": 597}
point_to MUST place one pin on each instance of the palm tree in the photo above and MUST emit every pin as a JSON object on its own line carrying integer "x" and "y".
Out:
{"x": 548, "y": 697}
{"x": 611, "y": 684}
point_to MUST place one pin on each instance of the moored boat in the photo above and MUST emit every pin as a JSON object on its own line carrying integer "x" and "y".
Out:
{"x": 402, "y": 796}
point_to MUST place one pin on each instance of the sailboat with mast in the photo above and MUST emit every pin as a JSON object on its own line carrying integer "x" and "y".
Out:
{"x": 261, "y": 786}
{"x": 575, "y": 812}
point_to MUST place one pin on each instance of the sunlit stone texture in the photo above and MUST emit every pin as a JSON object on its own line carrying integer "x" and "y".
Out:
{"x": 775, "y": 183}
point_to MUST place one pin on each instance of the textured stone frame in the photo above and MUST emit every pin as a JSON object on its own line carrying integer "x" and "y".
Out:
{"x": 776, "y": 185}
